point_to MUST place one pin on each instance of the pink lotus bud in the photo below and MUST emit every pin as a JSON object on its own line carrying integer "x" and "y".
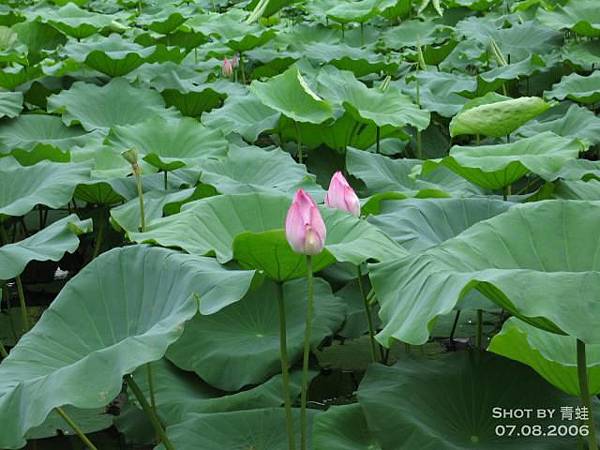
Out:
{"x": 235, "y": 61}
{"x": 341, "y": 196}
{"x": 304, "y": 226}
{"x": 227, "y": 68}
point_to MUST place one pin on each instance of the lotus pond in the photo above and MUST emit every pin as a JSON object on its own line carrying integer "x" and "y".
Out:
{"x": 292, "y": 225}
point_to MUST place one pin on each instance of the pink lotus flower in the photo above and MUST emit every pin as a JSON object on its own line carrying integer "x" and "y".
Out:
{"x": 227, "y": 67}
{"x": 235, "y": 61}
{"x": 304, "y": 226}
{"x": 341, "y": 196}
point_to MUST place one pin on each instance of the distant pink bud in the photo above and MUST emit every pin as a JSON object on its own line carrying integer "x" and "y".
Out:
{"x": 341, "y": 196}
{"x": 235, "y": 61}
{"x": 227, "y": 68}
{"x": 304, "y": 226}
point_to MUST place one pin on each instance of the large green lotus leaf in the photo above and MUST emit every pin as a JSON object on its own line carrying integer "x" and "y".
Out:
{"x": 489, "y": 98}
{"x": 31, "y": 138}
{"x": 88, "y": 420}
{"x": 419, "y": 224}
{"x": 270, "y": 253}
{"x": 381, "y": 174}
{"x": 247, "y": 169}
{"x": 245, "y": 115}
{"x": 270, "y": 62}
{"x": 164, "y": 19}
{"x": 169, "y": 75}
{"x": 156, "y": 204}
{"x": 194, "y": 103}
{"x": 574, "y": 122}
{"x": 554, "y": 357}
{"x": 49, "y": 244}
{"x": 354, "y": 11}
{"x": 582, "y": 89}
{"x": 103, "y": 107}
{"x": 492, "y": 79}
{"x": 467, "y": 55}
{"x": 239, "y": 345}
{"x": 303, "y": 33}
{"x": 74, "y": 21}
{"x": 262, "y": 429}
{"x": 232, "y": 30}
{"x": 209, "y": 226}
{"x": 370, "y": 105}
{"x": 360, "y": 61}
{"x": 178, "y": 393}
{"x": 14, "y": 76}
{"x": 290, "y": 95}
{"x": 411, "y": 33}
{"x": 581, "y": 16}
{"x": 497, "y": 119}
{"x": 343, "y": 428}
{"x": 46, "y": 183}
{"x": 170, "y": 144}
{"x": 120, "y": 183}
{"x": 442, "y": 92}
{"x": 498, "y": 166}
{"x": 527, "y": 260}
{"x": 11, "y": 104}
{"x": 182, "y": 86}
{"x": 444, "y": 404}
{"x": 585, "y": 54}
{"x": 341, "y": 134}
{"x": 475, "y": 5}
{"x": 38, "y": 37}
{"x": 113, "y": 55}
{"x": 580, "y": 169}
{"x": 576, "y": 190}
{"x": 106, "y": 322}
{"x": 521, "y": 40}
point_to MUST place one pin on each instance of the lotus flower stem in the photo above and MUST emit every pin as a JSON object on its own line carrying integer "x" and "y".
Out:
{"x": 507, "y": 192}
{"x": 479, "y": 338}
{"x": 453, "y": 331}
{"x": 138, "y": 182}
{"x": 584, "y": 392}
{"x": 362, "y": 33}
{"x": 166, "y": 179}
{"x": 368, "y": 313}
{"x": 100, "y": 235}
{"x": 299, "y": 142}
{"x": 418, "y": 137}
{"x": 76, "y": 429}
{"x": 307, "y": 337}
{"x": 242, "y": 69}
{"x": 20, "y": 292}
{"x": 139, "y": 395}
{"x": 378, "y": 138}
{"x": 23, "y": 305}
{"x": 285, "y": 369}
{"x": 150, "y": 376}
